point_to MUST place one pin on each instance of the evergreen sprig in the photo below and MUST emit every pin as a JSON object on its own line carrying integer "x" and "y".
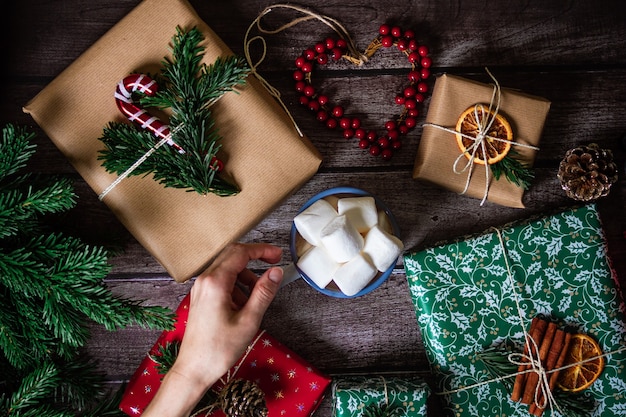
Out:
{"x": 188, "y": 88}
{"x": 514, "y": 170}
{"x": 166, "y": 356}
{"x": 51, "y": 289}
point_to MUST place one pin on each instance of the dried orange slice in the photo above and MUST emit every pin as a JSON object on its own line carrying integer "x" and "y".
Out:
{"x": 578, "y": 377}
{"x": 469, "y": 124}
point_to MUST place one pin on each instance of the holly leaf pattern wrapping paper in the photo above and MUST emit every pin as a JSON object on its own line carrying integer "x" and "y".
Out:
{"x": 360, "y": 396}
{"x": 465, "y": 301}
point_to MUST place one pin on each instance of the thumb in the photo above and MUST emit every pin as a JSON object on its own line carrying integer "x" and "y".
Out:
{"x": 264, "y": 292}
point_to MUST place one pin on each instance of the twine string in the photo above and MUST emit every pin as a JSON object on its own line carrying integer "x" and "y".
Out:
{"x": 386, "y": 392}
{"x": 138, "y": 162}
{"x": 334, "y": 24}
{"x": 486, "y": 121}
{"x": 534, "y": 361}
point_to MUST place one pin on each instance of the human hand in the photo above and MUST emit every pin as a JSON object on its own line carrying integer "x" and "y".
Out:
{"x": 226, "y": 308}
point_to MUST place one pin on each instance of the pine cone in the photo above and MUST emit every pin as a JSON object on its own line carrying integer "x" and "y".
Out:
{"x": 241, "y": 398}
{"x": 587, "y": 172}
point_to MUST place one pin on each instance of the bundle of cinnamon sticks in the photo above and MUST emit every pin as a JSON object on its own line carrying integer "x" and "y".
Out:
{"x": 550, "y": 346}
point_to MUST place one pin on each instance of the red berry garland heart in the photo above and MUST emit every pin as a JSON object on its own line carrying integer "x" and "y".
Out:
{"x": 333, "y": 116}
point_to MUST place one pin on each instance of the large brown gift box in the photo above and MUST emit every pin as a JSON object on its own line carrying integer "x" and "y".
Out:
{"x": 262, "y": 151}
{"x": 438, "y": 150}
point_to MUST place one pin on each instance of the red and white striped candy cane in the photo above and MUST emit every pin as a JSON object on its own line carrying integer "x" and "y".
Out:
{"x": 124, "y": 100}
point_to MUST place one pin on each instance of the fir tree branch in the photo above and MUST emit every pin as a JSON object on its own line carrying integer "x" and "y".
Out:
{"x": 15, "y": 347}
{"x": 81, "y": 383}
{"x": 35, "y": 387}
{"x": 15, "y": 149}
{"x": 188, "y": 88}
{"x": 51, "y": 286}
{"x": 514, "y": 170}
{"x": 109, "y": 407}
{"x": 166, "y": 356}
{"x": 19, "y": 205}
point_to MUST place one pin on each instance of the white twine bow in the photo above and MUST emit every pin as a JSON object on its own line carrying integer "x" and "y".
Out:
{"x": 531, "y": 359}
{"x": 485, "y": 121}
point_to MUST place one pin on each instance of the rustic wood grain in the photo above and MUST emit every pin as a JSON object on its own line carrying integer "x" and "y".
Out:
{"x": 568, "y": 52}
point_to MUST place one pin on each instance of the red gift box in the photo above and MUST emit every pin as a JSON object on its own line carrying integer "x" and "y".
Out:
{"x": 291, "y": 385}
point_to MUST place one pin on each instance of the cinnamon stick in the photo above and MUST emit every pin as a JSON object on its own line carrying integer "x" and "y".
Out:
{"x": 556, "y": 348}
{"x": 537, "y": 329}
{"x": 533, "y": 378}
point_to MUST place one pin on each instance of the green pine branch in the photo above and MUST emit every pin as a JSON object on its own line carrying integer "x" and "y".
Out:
{"x": 513, "y": 170}
{"x": 17, "y": 149}
{"x": 166, "y": 356}
{"x": 187, "y": 89}
{"x": 36, "y": 387}
{"x": 61, "y": 389}
{"x": 51, "y": 288}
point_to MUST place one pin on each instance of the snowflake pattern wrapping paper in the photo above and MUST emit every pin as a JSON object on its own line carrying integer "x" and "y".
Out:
{"x": 353, "y": 396}
{"x": 465, "y": 301}
{"x": 292, "y": 387}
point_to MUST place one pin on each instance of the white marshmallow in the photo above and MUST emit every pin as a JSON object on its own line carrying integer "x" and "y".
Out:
{"x": 354, "y": 275}
{"x": 317, "y": 265}
{"x": 361, "y": 211}
{"x": 341, "y": 239}
{"x": 382, "y": 248}
{"x": 312, "y": 220}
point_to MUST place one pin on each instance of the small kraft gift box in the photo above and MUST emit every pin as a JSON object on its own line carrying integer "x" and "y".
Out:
{"x": 374, "y": 395}
{"x": 261, "y": 148}
{"x": 440, "y": 161}
{"x": 291, "y": 386}
{"x": 480, "y": 293}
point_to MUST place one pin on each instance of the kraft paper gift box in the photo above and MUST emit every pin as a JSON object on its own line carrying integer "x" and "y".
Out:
{"x": 355, "y": 396}
{"x": 465, "y": 302}
{"x": 182, "y": 230}
{"x": 438, "y": 150}
{"x": 291, "y": 385}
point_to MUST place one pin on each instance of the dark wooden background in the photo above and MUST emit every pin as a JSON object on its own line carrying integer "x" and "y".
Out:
{"x": 570, "y": 52}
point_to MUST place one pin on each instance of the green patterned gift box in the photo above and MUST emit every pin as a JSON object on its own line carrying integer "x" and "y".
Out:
{"x": 363, "y": 396}
{"x": 476, "y": 292}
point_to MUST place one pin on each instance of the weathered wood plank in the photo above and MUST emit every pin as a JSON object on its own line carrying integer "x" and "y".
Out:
{"x": 49, "y": 36}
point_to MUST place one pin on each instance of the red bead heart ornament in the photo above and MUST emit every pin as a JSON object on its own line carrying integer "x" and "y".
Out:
{"x": 334, "y": 117}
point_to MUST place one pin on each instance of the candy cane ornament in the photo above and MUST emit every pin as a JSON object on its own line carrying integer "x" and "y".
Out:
{"x": 134, "y": 113}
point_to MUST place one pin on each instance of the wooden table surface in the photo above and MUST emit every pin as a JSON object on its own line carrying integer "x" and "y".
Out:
{"x": 570, "y": 52}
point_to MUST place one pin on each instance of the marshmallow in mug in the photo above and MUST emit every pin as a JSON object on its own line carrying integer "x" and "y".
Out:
{"x": 341, "y": 239}
{"x": 318, "y": 265}
{"x": 312, "y": 220}
{"x": 354, "y": 275}
{"x": 361, "y": 211}
{"x": 342, "y": 254}
{"x": 381, "y": 247}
